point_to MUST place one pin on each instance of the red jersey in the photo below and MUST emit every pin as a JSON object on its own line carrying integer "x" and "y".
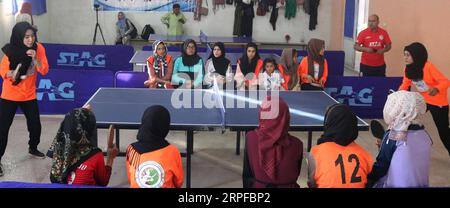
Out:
{"x": 92, "y": 172}
{"x": 376, "y": 40}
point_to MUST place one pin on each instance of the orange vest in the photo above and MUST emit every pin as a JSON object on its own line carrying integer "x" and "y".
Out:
{"x": 26, "y": 89}
{"x": 259, "y": 66}
{"x": 286, "y": 77}
{"x": 157, "y": 169}
{"x": 341, "y": 167}
{"x": 303, "y": 71}
{"x": 433, "y": 78}
{"x": 151, "y": 61}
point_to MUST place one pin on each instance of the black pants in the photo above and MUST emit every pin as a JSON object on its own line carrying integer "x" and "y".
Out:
{"x": 309, "y": 87}
{"x": 8, "y": 110}
{"x": 372, "y": 71}
{"x": 440, "y": 117}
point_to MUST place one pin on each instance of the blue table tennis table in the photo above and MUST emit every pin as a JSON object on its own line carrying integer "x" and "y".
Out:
{"x": 197, "y": 110}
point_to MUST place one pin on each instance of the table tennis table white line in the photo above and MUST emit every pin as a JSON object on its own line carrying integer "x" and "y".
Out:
{"x": 257, "y": 102}
{"x": 92, "y": 97}
{"x": 339, "y": 102}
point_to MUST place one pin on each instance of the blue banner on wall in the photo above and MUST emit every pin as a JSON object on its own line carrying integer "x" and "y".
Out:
{"x": 89, "y": 57}
{"x": 144, "y": 5}
{"x": 59, "y": 91}
{"x": 62, "y": 90}
{"x": 365, "y": 95}
{"x": 38, "y": 7}
{"x": 349, "y": 22}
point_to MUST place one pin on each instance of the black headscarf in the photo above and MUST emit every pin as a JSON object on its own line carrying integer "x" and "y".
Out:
{"x": 189, "y": 60}
{"x": 221, "y": 63}
{"x": 246, "y": 65}
{"x": 419, "y": 55}
{"x": 72, "y": 144}
{"x": 153, "y": 130}
{"x": 340, "y": 125}
{"x": 17, "y": 51}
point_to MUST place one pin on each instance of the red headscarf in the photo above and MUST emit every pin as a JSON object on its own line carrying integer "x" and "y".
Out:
{"x": 274, "y": 119}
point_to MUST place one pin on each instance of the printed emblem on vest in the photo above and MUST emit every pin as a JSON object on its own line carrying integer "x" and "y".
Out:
{"x": 381, "y": 37}
{"x": 150, "y": 174}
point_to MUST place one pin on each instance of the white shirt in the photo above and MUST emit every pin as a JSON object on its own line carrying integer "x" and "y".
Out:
{"x": 271, "y": 82}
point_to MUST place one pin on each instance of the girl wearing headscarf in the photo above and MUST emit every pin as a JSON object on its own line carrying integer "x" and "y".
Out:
{"x": 218, "y": 67}
{"x": 431, "y": 84}
{"x": 23, "y": 57}
{"x": 188, "y": 69}
{"x": 404, "y": 157}
{"x": 273, "y": 157}
{"x": 75, "y": 160}
{"x": 248, "y": 67}
{"x": 151, "y": 161}
{"x": 337, "y": 161}
{"x": 289, "y": 63}
{"x": 124, "y": 28}
{"x": 160, "y": 67}
{"x": 313, "y": 69}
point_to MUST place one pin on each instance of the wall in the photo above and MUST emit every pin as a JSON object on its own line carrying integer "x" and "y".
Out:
{"x": 409, "y": 21}
{"x": 68, "y": 21}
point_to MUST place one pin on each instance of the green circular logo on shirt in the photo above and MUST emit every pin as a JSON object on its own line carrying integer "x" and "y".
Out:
{"x": 150, "y": 174}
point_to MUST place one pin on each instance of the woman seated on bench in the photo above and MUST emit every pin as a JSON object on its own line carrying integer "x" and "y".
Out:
{"x": 160, "y": 67}
{"x": 188, "y": 69}
{"x": 218, "y": 67}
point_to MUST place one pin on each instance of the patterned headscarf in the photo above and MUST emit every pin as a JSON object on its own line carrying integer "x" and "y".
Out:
{"x": 160, "y": 61}
{"x": 272, "y": 132}
{"x": 72, "y": 144}
{"x": 402, "y": 109}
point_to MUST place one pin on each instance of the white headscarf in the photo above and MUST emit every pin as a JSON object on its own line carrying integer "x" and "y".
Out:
{"x": 402, "y": 109}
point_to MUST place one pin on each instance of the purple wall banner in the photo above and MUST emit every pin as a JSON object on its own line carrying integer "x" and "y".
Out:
{"x": 62, "y": 90}
{"x": 365, "y": 95}
{"x": 89, "y": 57}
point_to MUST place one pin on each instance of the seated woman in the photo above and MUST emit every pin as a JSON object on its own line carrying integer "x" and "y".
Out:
{"x": 271, "y": 78}
{"x": 75, "y": 160}
{"x": 337, "y": 161}
{"x": 404, "y": 157}
{"x": 160, "y": 67}
{"x": 188, "y": 69}
{"x": 218, "y": 67}
{"x": 313, "y": 69}
{"x": 151, "y": 161}
{"x": 124, "y": 29}
{"x": 248, "y": 68}
{"x": 289, "y": 64}
{"x": 273, "y": 157}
